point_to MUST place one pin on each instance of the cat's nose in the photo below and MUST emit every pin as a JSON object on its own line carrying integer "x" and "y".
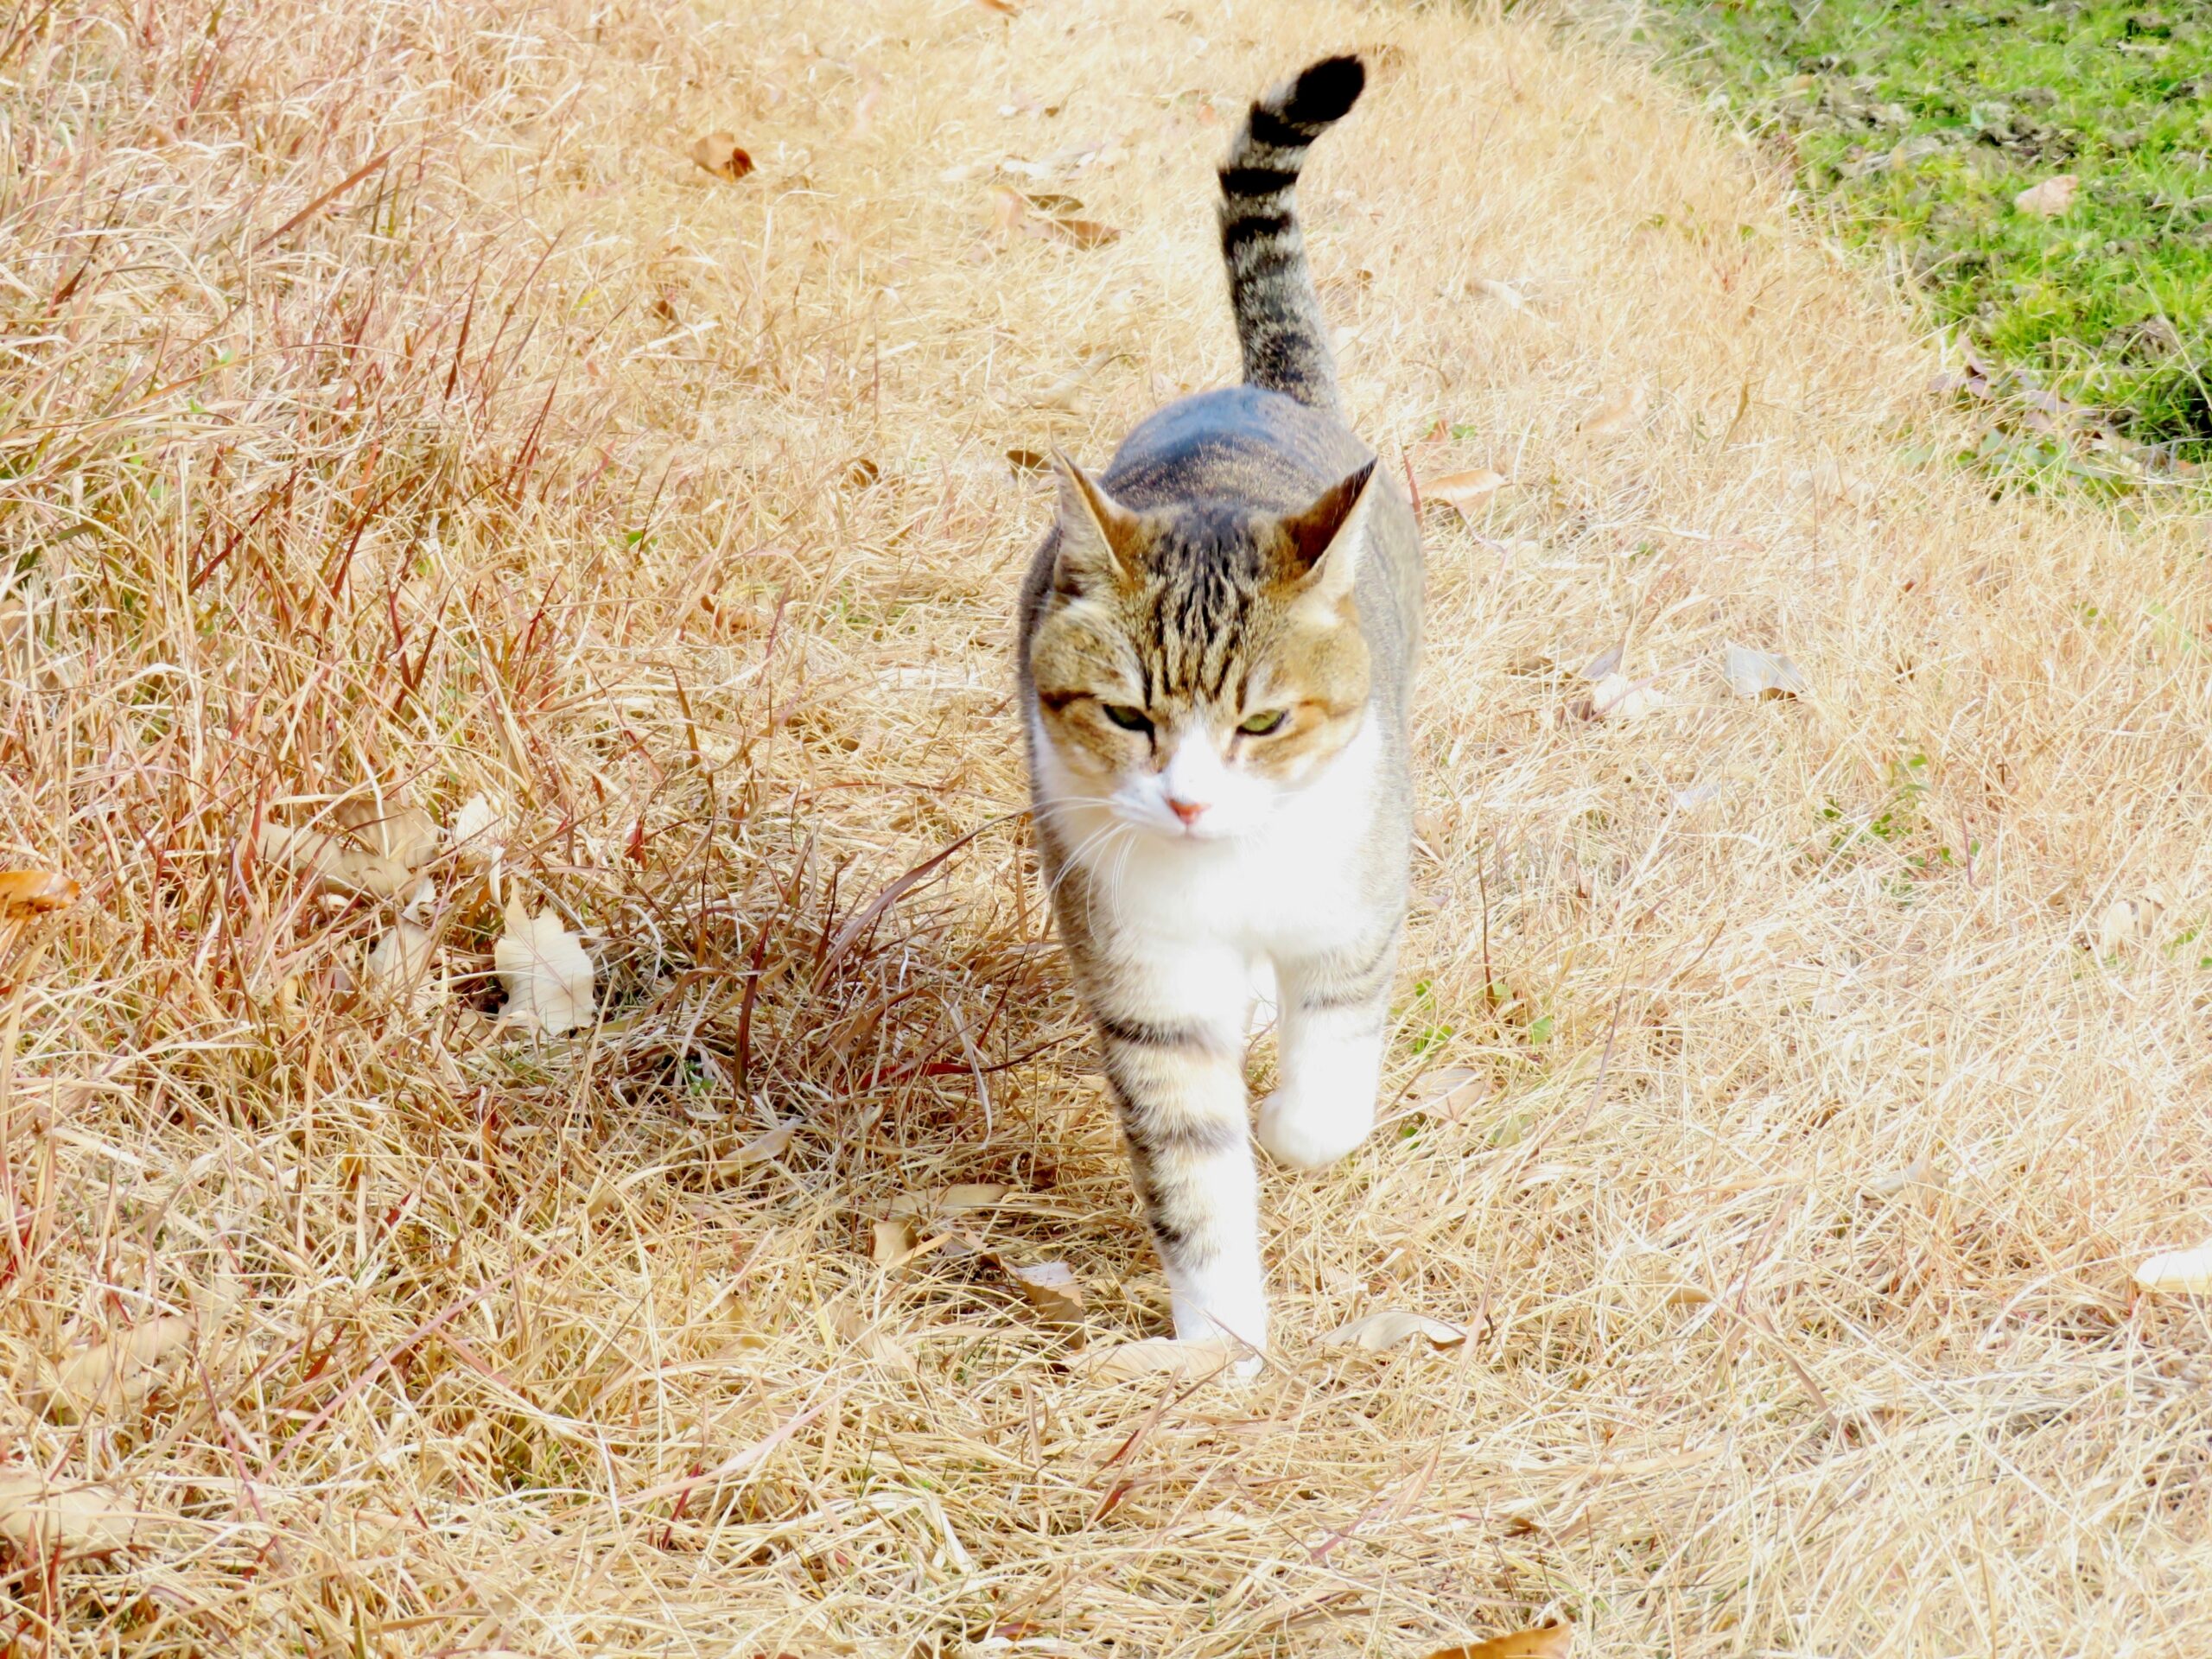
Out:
{"x": 1189, "y": 811}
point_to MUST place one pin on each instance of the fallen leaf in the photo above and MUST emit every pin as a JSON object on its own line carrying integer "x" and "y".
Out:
{"x": 546, "y": 972}
{"x": 2121, "y": 921}
{"x": 720, "y": 154}
{"x": 1052, "y": 1289}
{"x": 1008, "y": 207}
{"x": 1449, "y": 1091}
{"x": 116, "y": 1375}
{"x": 1618, "y": 697}
{"x": 1027, "y": 461}
{"x": 1761, "y": 673}
{"x": 45, "y": 1519}
{"x": 1083, "y": 232}
{"x": 478, "y": 830}
{"x": 894, "y": 1238}
{"x": 2051, "y": 197}
{"x": 1505, "y": 291}
{"x": 1545, "y": 1641}
{"x": 1004, "y": 8}
{"x": 1607, "y": 661}
{"x": 950, "y": 1200}
{"x": 1388, "y": 1327}
{"x": 1158, "y": 1357}
{"x": 886, "y": 1351}
{"x": 399, "y": 965}
{"x": 761, "y": 1147}
{"x": 37, "y": 891}
{"x": 1617, "y": 413}
{"x": 2181, "y": 1273}
{"x": 377, "y": 853}
{"x": 1464, "y": 491}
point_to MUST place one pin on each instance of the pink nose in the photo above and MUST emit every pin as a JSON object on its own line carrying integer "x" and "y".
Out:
{"x": 1189, "y": 811}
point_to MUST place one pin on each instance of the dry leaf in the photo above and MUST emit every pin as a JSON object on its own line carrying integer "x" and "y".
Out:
{"x": 1052, "y": 1289}
{"x": 119, "y": 1373}
{"x": 1546, "y": 1642}
{"x": 1388, "y": 1327}
{"x": 478, "y": 830}
{"x": 719, "y": 153}
{"x": 1607, "y": 661}
{"x": 1618, "y": 697}
{"x": 1009, "y": 207}
{"x": 2124, "y": 919}
{"x": 1505, "y": 291}
{"x": 894, "y": 1239}
{"x": 1761, "y": 673}
{"x": 546, "y": 975}
{"x": 404, "y": 835}
{"x": 37, "y": 891}
{"x": 1160, "y": 1356}
{"x": 400, "y": 965}
{"x": 1464, "y": 491}
{"x": 1617, "y": 413}
{"x": 950, "y": 1200}
{"x": 44, "y": 1519}
{"x": 2181, "y": 1273}
{"x": 1448, "y": 1092}
{"x": 885, "y": 1352}
{"x": 1083, "y": 232}
{"x": 1004, "y": 8}
{"x": 2051, "y": 197}
{"x": 1027, "y": 461}
{"x": 332, "y": 864}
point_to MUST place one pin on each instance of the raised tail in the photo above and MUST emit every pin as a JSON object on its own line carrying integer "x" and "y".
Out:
{"x": 1279, "y": 325}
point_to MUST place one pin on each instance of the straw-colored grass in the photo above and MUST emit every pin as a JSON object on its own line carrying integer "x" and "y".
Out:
{"x": 1816, "y": 1128}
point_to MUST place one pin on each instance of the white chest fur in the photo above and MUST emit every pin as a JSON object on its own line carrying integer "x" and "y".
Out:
{"x": 1290, "y": 883}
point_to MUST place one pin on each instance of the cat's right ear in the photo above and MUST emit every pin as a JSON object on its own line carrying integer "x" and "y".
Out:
{"x": 1099, "y": 536}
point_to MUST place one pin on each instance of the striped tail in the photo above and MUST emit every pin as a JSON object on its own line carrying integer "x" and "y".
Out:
{"x": 1278, "y": 323}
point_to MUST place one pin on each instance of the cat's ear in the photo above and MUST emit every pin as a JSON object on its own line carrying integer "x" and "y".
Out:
{"x": 1324, "y": 539}
{"x": 1099, "y": 536}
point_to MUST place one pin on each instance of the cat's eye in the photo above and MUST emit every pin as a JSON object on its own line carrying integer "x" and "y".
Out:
{"x": 1128, "y": 719}
{"x": 1261, "y": 725}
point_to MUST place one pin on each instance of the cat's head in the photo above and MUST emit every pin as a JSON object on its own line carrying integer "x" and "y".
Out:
{"x": 1194, "y": 664}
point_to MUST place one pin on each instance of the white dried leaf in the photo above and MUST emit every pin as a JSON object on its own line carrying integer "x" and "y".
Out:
{"x": 2181, "y": 1273}
{"x": 1388, "y": 1326}
{"x": 1449, "y": 1091}
{"x": 401, "y": 963}
{"x": 2124, "y": 919}
{"x": 480, "y": 828}
{"x": 946, "y": 1201}
{"x": 44, "y": 1518}
{"x": 2051, "y": 197}
{"x": 1761, "y": 673}
{"x": 1618, "y": 697}
{"x": 546, "y": 972}
{"x": 1615, "y": 414}
{"x": 116, "y": 1375}
{"x": 1158, "y": 1357}
{"x": 1052, "y": 1289}
{"x": 1502, "y": 291}
{"x": 1464, "y": 491}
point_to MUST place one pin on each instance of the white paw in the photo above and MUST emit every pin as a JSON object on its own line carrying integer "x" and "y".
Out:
{"x": 1302, "y": 1136}
{"x": 1235, "y": 1315}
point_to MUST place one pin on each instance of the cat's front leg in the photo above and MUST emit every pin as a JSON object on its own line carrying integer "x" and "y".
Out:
{"x": 1172, "y": 1027}
{"x": 1336, "y": 1007}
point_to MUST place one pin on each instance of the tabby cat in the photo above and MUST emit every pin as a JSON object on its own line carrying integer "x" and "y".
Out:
{"x": 1218, "y": 646}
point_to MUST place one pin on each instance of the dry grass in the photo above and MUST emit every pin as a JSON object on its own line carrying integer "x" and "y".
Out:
{"x": 536, "y": 459}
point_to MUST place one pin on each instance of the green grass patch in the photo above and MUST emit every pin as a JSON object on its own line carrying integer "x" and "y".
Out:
{"x": 1923, "y": 120}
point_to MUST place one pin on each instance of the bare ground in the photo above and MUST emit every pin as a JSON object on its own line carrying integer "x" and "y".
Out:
{"x": 397, "y": 415}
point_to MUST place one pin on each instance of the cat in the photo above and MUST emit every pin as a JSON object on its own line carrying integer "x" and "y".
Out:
{"x": 1218, "y": 646}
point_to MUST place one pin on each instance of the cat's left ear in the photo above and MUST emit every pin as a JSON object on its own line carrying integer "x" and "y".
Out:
{"x": 1325, "y": 538}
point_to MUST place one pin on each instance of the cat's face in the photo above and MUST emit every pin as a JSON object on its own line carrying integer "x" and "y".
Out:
{"x": 1195, "y": 665}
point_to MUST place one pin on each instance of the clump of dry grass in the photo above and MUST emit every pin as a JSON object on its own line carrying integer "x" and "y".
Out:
{"x": 396, "y": 414}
